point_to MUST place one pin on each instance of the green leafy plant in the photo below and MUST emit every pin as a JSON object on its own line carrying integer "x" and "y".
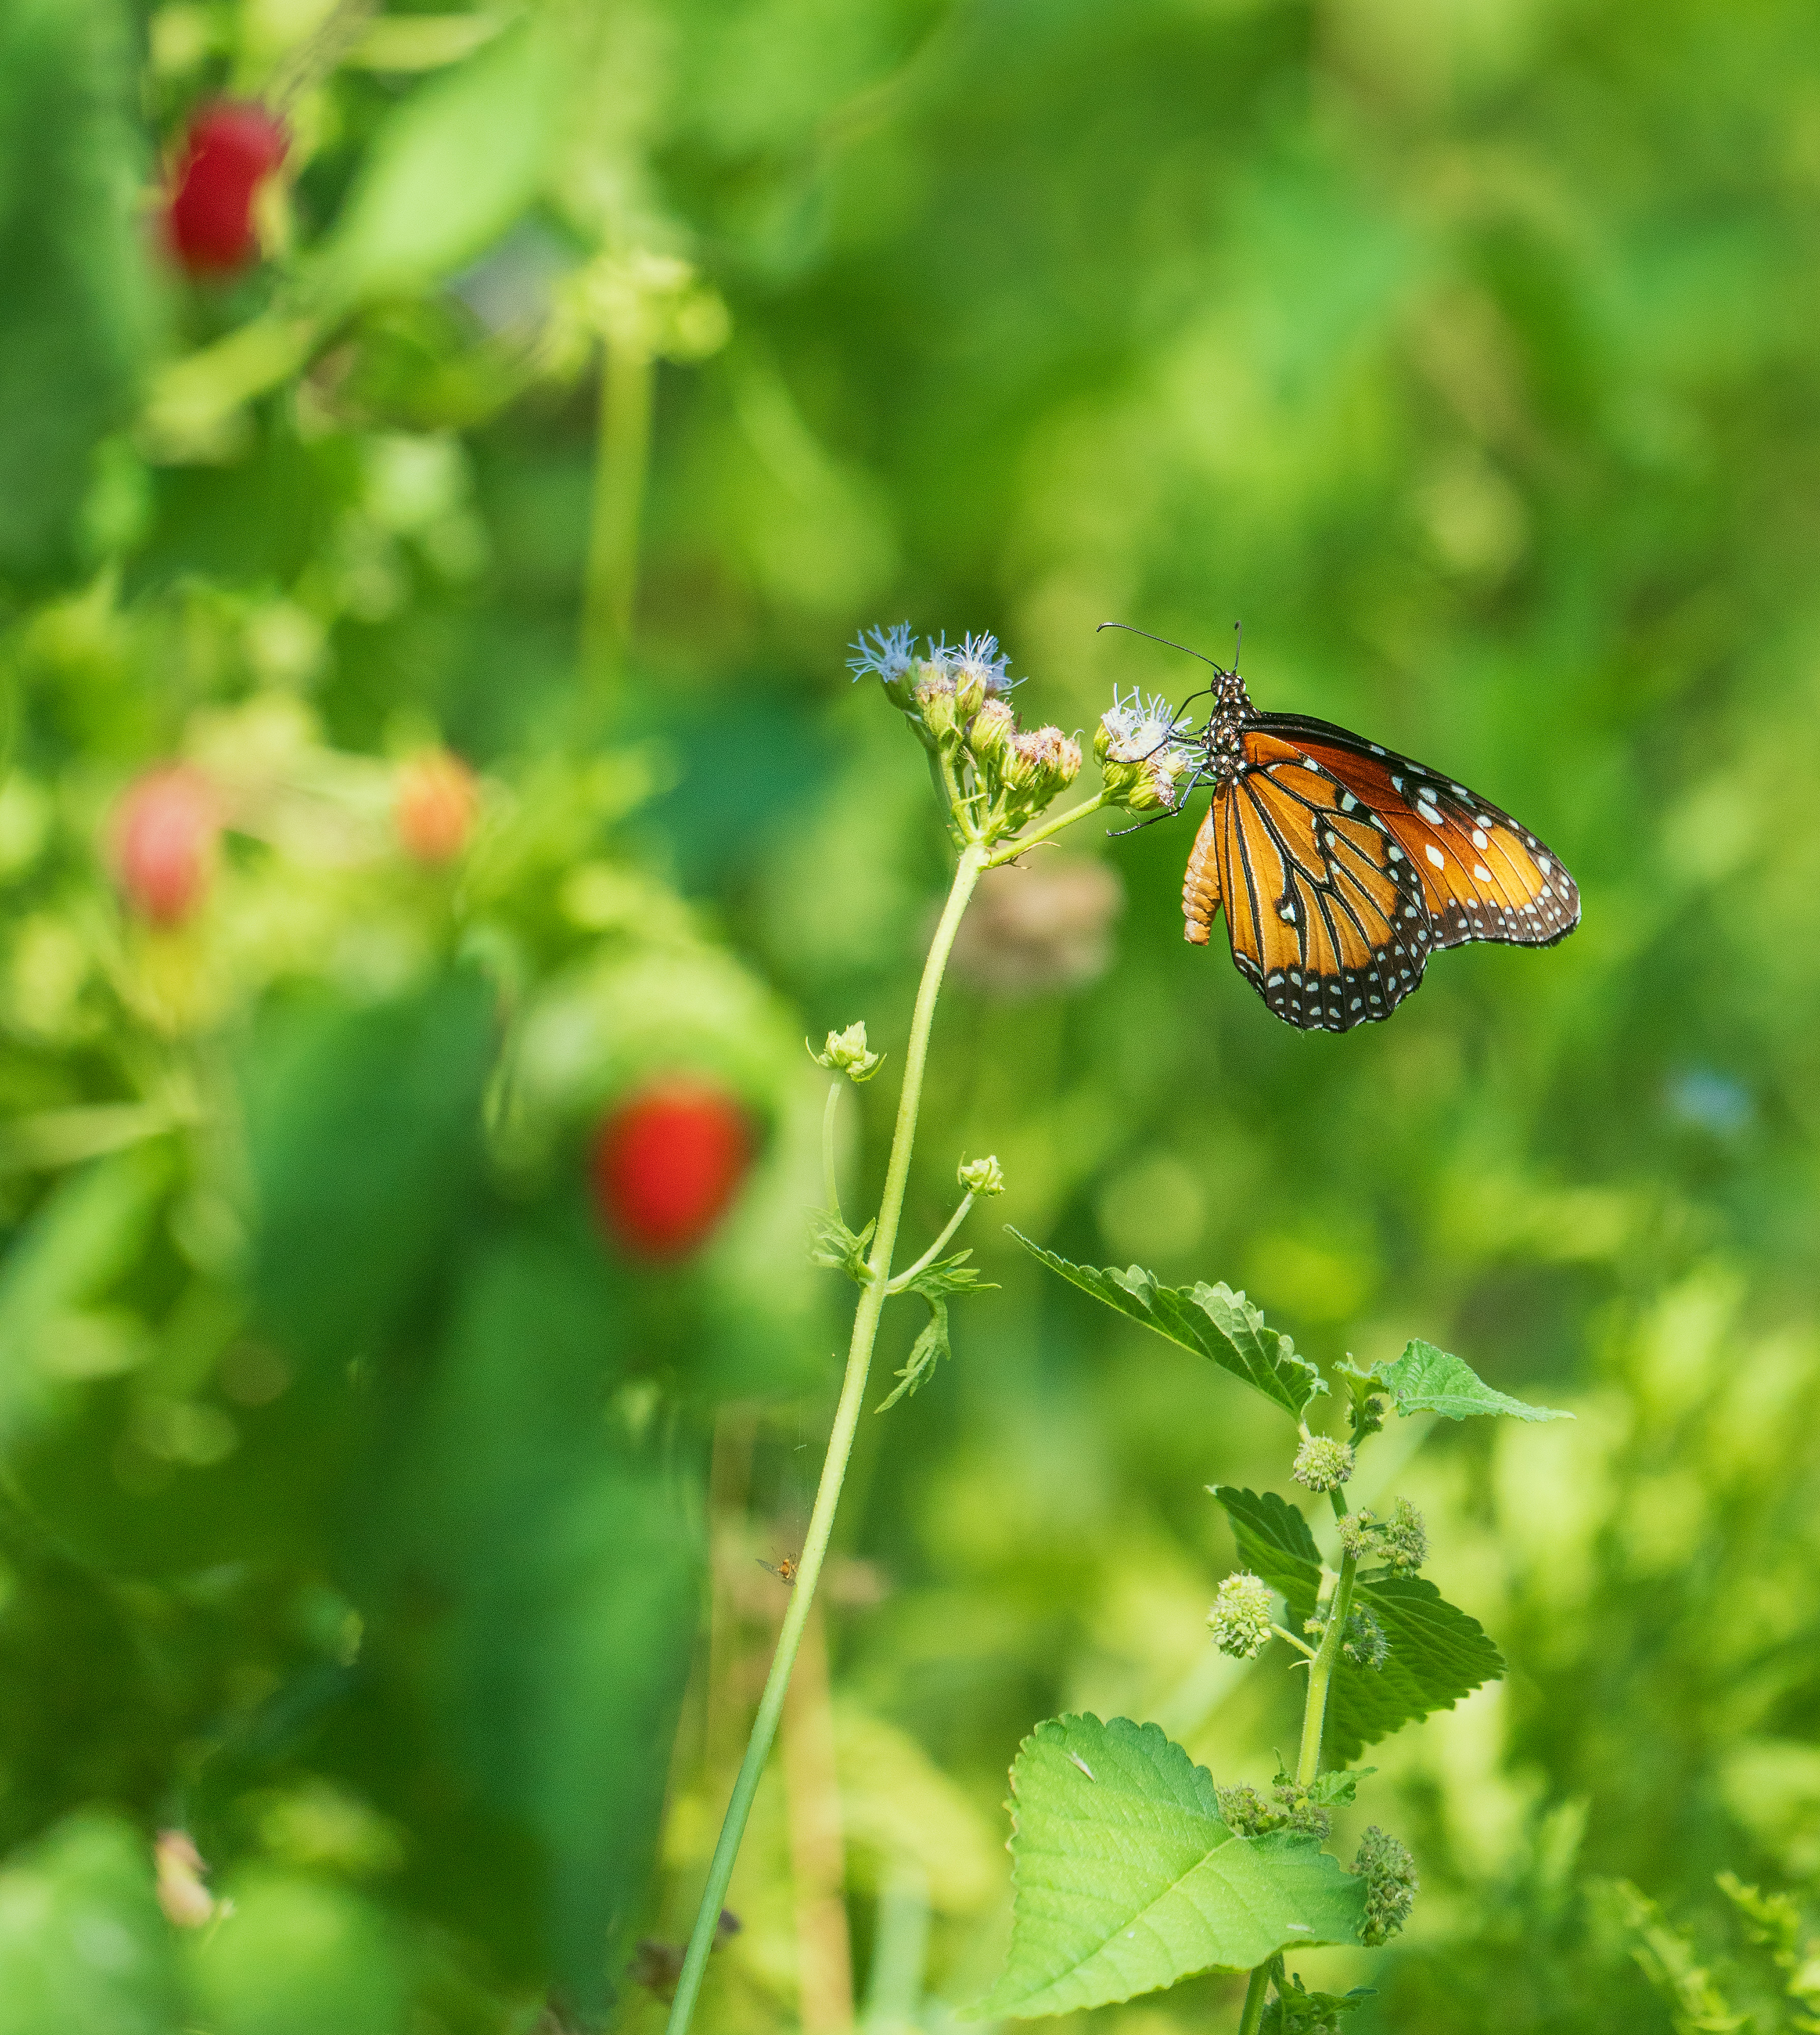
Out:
{"x": 1131, "y": 1869}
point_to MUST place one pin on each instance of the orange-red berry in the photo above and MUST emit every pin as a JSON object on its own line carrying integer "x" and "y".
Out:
{"x": 165, "y": 831}
{"x": 666, "y": 1163}
{"x": 437, "y": 798}
{"x": 230, "y": 150}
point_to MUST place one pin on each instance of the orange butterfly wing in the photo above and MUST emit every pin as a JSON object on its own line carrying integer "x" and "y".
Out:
{"x": 1483, "y": 876}
{"x": 1327, "y": 917}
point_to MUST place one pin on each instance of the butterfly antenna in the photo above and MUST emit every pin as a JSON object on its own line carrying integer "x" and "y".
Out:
{"x": 1238, "y": 643}
{"x": 1167, "y": 644}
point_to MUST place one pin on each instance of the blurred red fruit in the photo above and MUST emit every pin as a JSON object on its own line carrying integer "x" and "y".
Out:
{"x": 164, "y": 833}
{"x": 433, "y": 812}
{"x": 230, "y": 149}
{"x": 666, "y": 1163}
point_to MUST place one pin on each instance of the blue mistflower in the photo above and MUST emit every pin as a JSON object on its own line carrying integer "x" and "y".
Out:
{"x": 979, "y": 657}
{"x": 888, "y": 653}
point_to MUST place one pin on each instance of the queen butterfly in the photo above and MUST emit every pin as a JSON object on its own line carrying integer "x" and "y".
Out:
{"x": 1344, "y": 866}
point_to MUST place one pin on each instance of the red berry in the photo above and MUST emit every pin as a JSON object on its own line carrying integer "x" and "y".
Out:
{"x": 433, "y": 810}
{"x": 666, "y": 1163}
{"x": 228, "y": 152}
{"x": 164, "y": 834}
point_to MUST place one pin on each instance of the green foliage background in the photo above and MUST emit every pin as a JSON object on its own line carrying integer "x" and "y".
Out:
{"x": 363, "y": 1513}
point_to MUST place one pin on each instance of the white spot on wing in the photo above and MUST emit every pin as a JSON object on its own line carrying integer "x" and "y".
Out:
{"x": 1436, "y": 856}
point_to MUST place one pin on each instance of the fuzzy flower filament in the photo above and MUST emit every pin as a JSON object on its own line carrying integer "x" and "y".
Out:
{"x": 1148, "y": 768}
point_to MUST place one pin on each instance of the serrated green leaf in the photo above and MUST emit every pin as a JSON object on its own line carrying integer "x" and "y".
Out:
{"x": 926, "y": 1353}
{"x": 1273, "y": 1539}
{"x": 1426, "y": 1380}
{"x": 1437, "y": 1652}
{"x": 947, "y": 1275}
{"x": 1213, "y": 1321}
{"x": 1124, "y": 1880}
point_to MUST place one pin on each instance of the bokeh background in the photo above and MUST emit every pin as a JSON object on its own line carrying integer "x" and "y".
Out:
{"x": 563, "y": 392}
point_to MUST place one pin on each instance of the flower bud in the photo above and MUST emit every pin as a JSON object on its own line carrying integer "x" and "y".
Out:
{"x": 1240, "y": 1619}
{"x": 991, "y": 735}
{"x": 982, "y": 1176}
{"x": 1357, "y": 1531}
{"x": 936, "y": 708}
{"x": 1042, "y": 761}
{"x": 1244, "y": 1811}
{"x": 1384, "y": 1864}
{"x": 845, "y": 1053}
{"x": 1322, "y": 1463}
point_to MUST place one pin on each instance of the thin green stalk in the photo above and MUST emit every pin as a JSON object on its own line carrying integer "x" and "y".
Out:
{"x": 622, "y": 455}
{"x": 1014, "y": 848}
{"x": 839, "y": 1447}
{"x": 830, "y": 1183}
{"x": 934, "y": 1251}
{"x": 1254, "y": 1993}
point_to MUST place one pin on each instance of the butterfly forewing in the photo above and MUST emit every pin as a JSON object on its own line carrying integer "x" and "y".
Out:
{"x": 1327, "y": 918}
{"x": 1483, "y": 876}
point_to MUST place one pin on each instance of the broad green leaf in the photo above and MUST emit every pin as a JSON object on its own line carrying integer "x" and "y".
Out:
{"x": 1124, "y": 1878}
{"x": 1213, "y": 1321}
{"x": 1438, "y": 1653}
{"x": 449, "y": 171}
{"x": 83, "y": 1949}
{"x": 299, "y": 1955}
{"x": 1426, "y": 1380}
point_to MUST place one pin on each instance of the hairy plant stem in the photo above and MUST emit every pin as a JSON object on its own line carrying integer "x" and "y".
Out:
{"x": 1321, "y": 1673}
{"x": 1255, "y": 1994}
{"x": 872, "y": 1296}
{"x": 1338, "y": 1609}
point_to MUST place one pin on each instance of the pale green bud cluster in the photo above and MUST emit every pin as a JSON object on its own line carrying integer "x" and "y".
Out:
{"x": 1322, "y": 1463}
{"x": 1240, "y": 1619}
{"x": 1365, "y": 1644}
{"x": 982, "y": 1176}
{"x": 1246, "y": 1813}
{"x": 846, "y": 1053}
{"x": 1401, "y": 1540}
{"x": 1389, "y": 1870}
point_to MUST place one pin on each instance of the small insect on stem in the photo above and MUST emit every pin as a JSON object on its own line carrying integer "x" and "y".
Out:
{"x": 784, "y": 1570}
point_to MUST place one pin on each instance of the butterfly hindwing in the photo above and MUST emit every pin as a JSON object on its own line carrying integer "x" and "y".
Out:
{"x": 1483, "y": 876}
{"x": 1328, "y": 919}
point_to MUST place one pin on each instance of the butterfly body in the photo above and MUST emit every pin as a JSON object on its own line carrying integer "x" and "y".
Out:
{"x": 1342, "y": 866}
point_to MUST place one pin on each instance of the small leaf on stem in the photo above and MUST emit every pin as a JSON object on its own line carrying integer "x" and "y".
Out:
{"x": 1426, "y": 1380}
{"x": 1213, "y": 1321}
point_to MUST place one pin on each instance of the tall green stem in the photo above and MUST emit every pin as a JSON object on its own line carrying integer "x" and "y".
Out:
{"x": 622, "y": 455}
{"x": 973, "y": 861}
{"x": 1255, "y": 1994}
{"x": 1313, "y": 1723}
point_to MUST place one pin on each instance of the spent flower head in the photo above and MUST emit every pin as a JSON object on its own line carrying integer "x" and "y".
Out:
{"x": 1322, "y": 1463}
{"x": 1384, "y": 1864}
{"x": 1404, "y": 1538}
{"x": 846, "y": 1053}
{"x": 1240, "y": 1619}
{"x": 982, "y": 1176}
